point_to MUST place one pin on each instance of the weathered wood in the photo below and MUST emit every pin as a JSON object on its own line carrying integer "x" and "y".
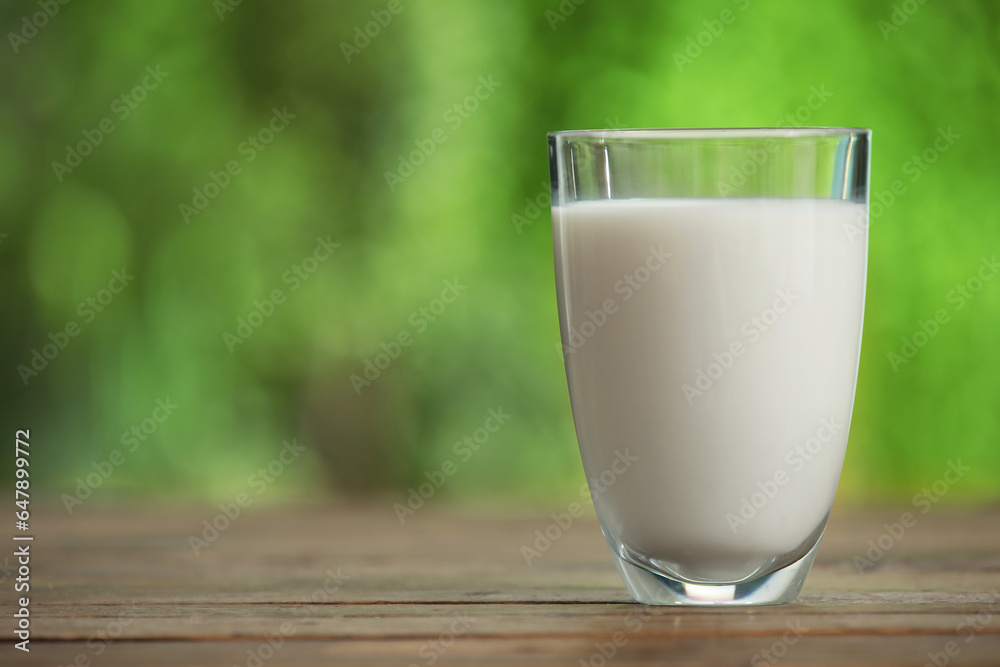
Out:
{"x": 717, "y": 652}
{"x": 352, "y": 585}
{"x": 344, "y": 621}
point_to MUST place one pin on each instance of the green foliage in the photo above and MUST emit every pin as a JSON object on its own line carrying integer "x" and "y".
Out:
{"x": 325, "y": 175}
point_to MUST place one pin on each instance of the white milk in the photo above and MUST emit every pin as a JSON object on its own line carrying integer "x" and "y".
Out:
{"x": 726, "y": 370}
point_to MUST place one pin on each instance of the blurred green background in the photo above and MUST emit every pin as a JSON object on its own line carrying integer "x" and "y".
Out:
{"x": 201, "y": 82}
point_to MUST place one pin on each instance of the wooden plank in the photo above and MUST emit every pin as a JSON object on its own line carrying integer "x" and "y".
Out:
{"x": 719, "y": 652}
{"x": 351, "y": 584}
{"x": 281, "y": 556}
{"x": 976, "y": 615}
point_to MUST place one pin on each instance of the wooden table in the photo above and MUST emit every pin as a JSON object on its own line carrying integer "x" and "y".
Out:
{"x": 350, "y": 585}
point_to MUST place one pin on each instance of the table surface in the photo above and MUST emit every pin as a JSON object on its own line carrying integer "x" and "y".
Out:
{"x": 351, "y": 585}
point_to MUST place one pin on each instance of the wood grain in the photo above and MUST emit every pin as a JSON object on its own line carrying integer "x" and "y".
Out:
{"x": 351, "y": 585}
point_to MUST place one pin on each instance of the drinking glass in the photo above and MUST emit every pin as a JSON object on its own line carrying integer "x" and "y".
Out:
{"x": 711, "y": 288}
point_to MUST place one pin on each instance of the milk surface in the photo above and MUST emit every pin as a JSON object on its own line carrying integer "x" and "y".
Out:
{"x": 716, "y": 341}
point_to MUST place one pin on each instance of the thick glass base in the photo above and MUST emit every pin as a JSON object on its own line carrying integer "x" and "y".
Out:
{"x": 779, "y": 586}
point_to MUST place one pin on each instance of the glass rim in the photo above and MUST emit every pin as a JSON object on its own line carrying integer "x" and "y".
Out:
{"x": 713, "y": 133}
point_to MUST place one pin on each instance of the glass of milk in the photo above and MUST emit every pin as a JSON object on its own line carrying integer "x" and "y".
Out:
{"x": 711, "y": 289}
